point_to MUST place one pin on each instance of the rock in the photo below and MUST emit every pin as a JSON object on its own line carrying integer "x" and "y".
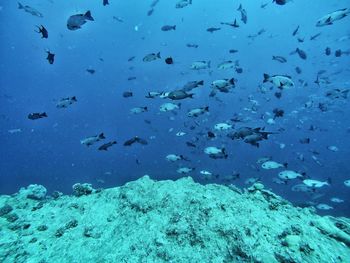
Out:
{"x": 34, "y": 191}
{"x": 82, "y": 189}
{"x": 5, "y": 210}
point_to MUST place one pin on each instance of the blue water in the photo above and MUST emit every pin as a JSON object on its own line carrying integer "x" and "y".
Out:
{"x": 48, "y": 151}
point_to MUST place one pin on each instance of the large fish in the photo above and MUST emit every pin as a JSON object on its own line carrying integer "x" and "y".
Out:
{"x": 30, "y": 10}
{"x": 330, "y": 18}
{"x": 76, "y": 21}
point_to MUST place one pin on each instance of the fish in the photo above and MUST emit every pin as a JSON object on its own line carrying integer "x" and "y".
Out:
{"x": 289, "y": 175}
{"x": 295, "y": 31}
{"x": 192, "y": 45}
{"x": 65, "y": 102}
{"x": 222, "y": 126}
{"x": 153, "y": 94}
{"x": 244, "y": 17}
{"x": 315, "y": 183}
{"x": 134, "y": 140}
{"x": 298, "y": 70}
{"x": 30, "y": 10}
{"x": 13, "y": 131}
{"x": 169, "y": 60}
{"x": 281, "y": 81}
{"x": 185, "y": 170}
{"x": 197, "y": 111}
{"x": 175, "y": 157}
{"x": 183, "y": 3}
{"x": 118, "y": 18}
{"x": 301, "y": 53}
{"x": 337, "y": 94}
{"x": 179, "y": 95}
{"x": 277, "y": 113}
{"x": 127, "y": 94}
{"x": 131, "y": 78}
{"x": 50, "y": 57}
{"x": 37, "y": 115}
{"x": 200, "y": 65}
{"x": 191, "y": 144}
{"x": 205, "y": 173}
{"x": 169, "y": 107}
{"x": 226, "y": 64}
{"x": 180, "y": 134}
{"x": 104, "y": 147}
{"x": 337, "y": 200}
{"x": 347, "y": 183}
{"x": 216, "y": 153}
{"x": 43, "y": 31}
{"x": 131, "y": 58}
{"x": 223, "y": 85}
{"x": 75, "y": 22}
{"x": 151, "y": 57}
{"x": 192, "y": 85}
{"x": 92, "y": 139}
{"x": 168, "y": 27}
{"x": 91, "y": 71}
{"x": 272, "y": 165}
{"x": 138, "y": 110}
{"x": 281, "y": 2}
{"x": 232, "y": 51}
{"x": 324, "y": 207}
{"x": 333, "y": 148}
{"x": 315, "y": 36}
{"x": 279, "y": 59}
{"x": 330, "y": 18}
{"x": 213, "y": 29}
{"x": 327, "y": 51}
{"x": 304, "y": 140}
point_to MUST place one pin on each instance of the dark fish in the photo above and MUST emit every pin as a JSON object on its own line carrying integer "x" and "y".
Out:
{"x": 135, "y": 139}
{"x": 131, "y": 78}
{"x": 36, "y": 115}
{"x": 278, "y": 113}
{"x": 278, "y": 94}
{"x": 263, "y": 5}
{"x": 30, "y": 10}
{"x": 168, "y": 28}
{"x": 304, "y": 140}
{"x": 279, "y": 59}
{"x": 50, "y": 57}
{"x": 179, "y": 95}
{"x": 239, "y": 70}
{"x": 105, "y": 2}
{"x": 104, "y": 147}
{"x": 232, "y": 51}
{"x": 91, "y": 71}
{"x": 42, "y": 31}
{"x": 127, "y": 94}
{"x": 191, "y": 144}
{"x": 150, "y": 12}
{"x": 300, "y": 40}
{"x": 338, "y": 53}
{"x": 169, "y": 61}
{"x": 296, "y": 31}
{"x": 234, "y": 24}
{"x": 65, "y": 102}
{"x": 280, "y": 2}
{"x": 315, "y": 36}
{"x": 211, "y": 135}
{"x": 328, "y": 51}
{"x": 131, "y": 58}
{"x": 301, "y": 53}
{"x": 119, "y": 19}
{"x": 298, "y": 70}
{"x": 213, "y": 29}
{"x": 192, "y": 45}
{"x": 75, "y": 22}
{"x": 244, "y": 16}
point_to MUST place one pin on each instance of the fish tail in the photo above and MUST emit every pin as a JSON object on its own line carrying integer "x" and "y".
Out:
{"x": 101, "y": 136}
{"x": 158, "y": 55}
{"x": 20, "y": 6}
{"x": 44, "y": 114}
{"x": 88, "y": 16}
{"x": 200, "y": 82}
{"x": 174, "y": 27}
{"x": 266, "y": 77}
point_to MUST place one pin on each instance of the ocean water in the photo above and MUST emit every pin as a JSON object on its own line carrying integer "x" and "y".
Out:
{"x": 48, "y": 151}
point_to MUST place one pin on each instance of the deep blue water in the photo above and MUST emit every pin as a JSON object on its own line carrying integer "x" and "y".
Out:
{"x": 48, "y": 151}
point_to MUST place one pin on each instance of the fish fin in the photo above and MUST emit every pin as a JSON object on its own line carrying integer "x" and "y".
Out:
{"x": 191, "y": 95}
{"x": 88, "y": 16}
{"x": 200, "y": 82}
{"x": 239, "y": 8}
{"x": 158, "y": 55}
{"x": 101, "y": 136}
{"x": 266, "y": 77}
{"x": 206, "y": 108}
{"x": 174, "y": 27}
{"x": 232, "y": 81}
{"x": 20, "y": 6}
{"x": 285, "y": 165}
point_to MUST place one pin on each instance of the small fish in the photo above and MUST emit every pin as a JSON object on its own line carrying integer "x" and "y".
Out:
{"x": 118, "y": 18}
{"x": 168, "y": 28}
{"x": 35, "y": 116}
{"x": 153, "y": 94}
{"x": 104, "y": 147}
{"x": 92, "y": 139}
{"x": 197, "y": 111}
{"x": 192, "y": 45}
{"x": 279, "y": 59}
{"x": 324, "y": 207}
{"x": 222, "y": 126}
{"x": 328, "y": 51}
{"x": 131, "y": 78}
{"x": 304, "y": 140}
{"x": 183, "y": 3}
{"x": 127, "y": 94}
{"x": 138, "y": 110}
{"x": 134, "y": 140}
{"x": 185, "y": 170}
{"x": 30, "y": 10}
{"x": 169, "y": 107}
{"x": 337, "y": 200}
{"x": 75, "y": 22}
{"x": 272, "y": 165}
{"x": 179, "y": 95}
{"x": 43, "y": 31}
{"x": 277, "y": 113}
{"x": 180, "y": 134}
{"x": 213, "y": 29}
{"x": 50, "y": 57}
{"x": 105, "y": 2}
{"x": 192, "y": 85}
{"x": 280, "y": 2}
{"x": 281, "y": 81}
{"x": 298, "y": 70}
{"x": 315, "y": 183}
{"x": 169, "y": 61}
{"x": 333, "y": 148}
{"x": 191, "y": 144}
{"x": 131, "y": 58}
{"x": 289, "y": 175}
{"x": 197, "y": 65}
{"x": 13, "y": 131}
{"x": 330, "y": 18}
{"x": 232, "y": 51}
{"x": 226, "y": 65}
{"x": 244, "y": 16}
{"x": 65, "y": 102}
{"x": 175, "y": 157}
{"x": 151, "y": 57}
{"x": 301, "y": 53}
{"x": 91, "y": 71}
{"x": 315, "y": 36}
{"x": 295, "y": 31}
{"x": 216, "y": 153}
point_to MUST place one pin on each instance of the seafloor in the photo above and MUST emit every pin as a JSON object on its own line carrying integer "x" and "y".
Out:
{"x": 166, "y": 221}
